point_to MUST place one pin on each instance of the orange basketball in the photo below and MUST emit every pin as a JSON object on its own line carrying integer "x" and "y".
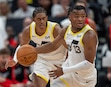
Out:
{"x": 26, "y": 55}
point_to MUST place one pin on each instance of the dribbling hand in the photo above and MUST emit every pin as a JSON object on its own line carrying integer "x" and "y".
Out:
{"x": 10, "y": 63}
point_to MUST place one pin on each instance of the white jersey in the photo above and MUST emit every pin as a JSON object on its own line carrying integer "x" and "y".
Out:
{"x": 76, "y": 47}
{"x": 84, "y": 78}
{"x": 55, "y": 56}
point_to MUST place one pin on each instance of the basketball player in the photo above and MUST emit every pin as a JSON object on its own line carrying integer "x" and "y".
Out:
{"x": 88, "y": 20}
{"x": 79, "y": 69}
{"x": 40, "y": 32}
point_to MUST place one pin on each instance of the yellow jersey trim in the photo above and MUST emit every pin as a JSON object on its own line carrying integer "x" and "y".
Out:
{"x": 78, "y": 31}
{"x": 82, "y": 30}
{"x": 69, "y": 27}
{"x": 88, "y": 28}
{"x": 51, "y": 33}
{"x": 43, "y": 77}
{"x": 45, "y": 31}
{"x": 30, "y": 27}
{"x": 65, "y": 82}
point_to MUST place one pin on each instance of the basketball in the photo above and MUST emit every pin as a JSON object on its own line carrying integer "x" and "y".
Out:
{"x": 26, "y": 55}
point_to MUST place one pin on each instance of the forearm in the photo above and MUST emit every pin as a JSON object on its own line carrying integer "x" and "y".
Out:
{"x": 49, "y": 47}
{"x": 43, "y": 49}
{"x": 84, "y": 65}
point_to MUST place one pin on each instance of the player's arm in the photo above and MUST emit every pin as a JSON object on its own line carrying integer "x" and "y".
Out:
{"x": 57, "y": 31}
{"x": 49, "y": 47}
{"x": 90, "y": 42}
{"x": 25, "y": 38}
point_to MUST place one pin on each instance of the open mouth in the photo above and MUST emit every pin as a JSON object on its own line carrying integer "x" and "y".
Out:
{"x": 41, "y": 24}
{"x": 79, "y": 24}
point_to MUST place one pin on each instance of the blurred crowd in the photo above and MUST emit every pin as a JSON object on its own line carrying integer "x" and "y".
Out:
{"x": 15, "y": 15}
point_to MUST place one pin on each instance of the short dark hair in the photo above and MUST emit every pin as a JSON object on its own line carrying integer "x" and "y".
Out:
{"x": 39, "y": 10}
{"x": 79, "y": 1}
{"x": 77, "y": 7}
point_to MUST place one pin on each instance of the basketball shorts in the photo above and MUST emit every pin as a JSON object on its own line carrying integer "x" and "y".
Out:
{"x": 73, "y": 80}
{"x": 41, "y": 68}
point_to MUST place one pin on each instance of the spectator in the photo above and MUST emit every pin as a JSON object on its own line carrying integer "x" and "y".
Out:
{"x": 60, "y": 10}
{"x": 47, "y": 5}
{"x": 4, "y": 56}
{"x": 12, "y": 39}
{"x": 26, "y": 22}
{"x": 3, "y": 34}
{"x": 55, "y": 2}
{"x": 104, "y": 77}
{"x": 107, "y": 22}
{"x": 24, "y": 10}
{"x": 5, "y": 9}
{"x": 87, "y": 21}
{"x": 13, "y": 77}
{"x": 5, "y": 76}
{"x": 90, "y": 12}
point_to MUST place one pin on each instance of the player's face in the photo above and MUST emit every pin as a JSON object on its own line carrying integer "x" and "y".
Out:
{"x": 41, "y": 19}
{"x": 3, "y": 59}
{"x": 77, "y": 18}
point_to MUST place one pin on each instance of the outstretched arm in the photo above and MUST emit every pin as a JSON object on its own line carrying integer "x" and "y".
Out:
{"x": 90, "y": 42}
{"x": 24, "y": 40}
{"x": 59, "y": 40}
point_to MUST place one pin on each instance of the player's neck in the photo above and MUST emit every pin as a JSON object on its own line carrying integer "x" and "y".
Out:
{"x": 40, "y": 31}
{"x": 75, "y": 30}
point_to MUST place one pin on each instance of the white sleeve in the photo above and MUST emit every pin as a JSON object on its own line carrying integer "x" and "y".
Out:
{"x": 15, "y": 55}
{"x": 84, "y": 65}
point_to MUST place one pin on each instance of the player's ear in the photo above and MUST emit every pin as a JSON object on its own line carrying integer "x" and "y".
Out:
{"x": 69, "y": 16}
{"x": 33, "y": 19}
{"x": 46, "y": 17}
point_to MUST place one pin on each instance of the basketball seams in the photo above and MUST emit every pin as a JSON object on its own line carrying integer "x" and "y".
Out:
{"x": 27, "y": 63}
{"x": 26, "y": 55}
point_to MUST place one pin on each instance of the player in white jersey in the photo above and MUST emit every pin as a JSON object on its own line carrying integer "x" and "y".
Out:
{"x": 40, "y": 32}
{"x": 79, "y": 68}
{"x": 45, "y": 62}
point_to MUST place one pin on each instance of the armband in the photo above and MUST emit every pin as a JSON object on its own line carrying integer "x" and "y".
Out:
{"x": 84, "y": 65}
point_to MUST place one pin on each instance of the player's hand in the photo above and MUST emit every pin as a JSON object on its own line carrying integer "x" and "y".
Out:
{"x": 10, "y": 63}
{"x": 56, "y": 73}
